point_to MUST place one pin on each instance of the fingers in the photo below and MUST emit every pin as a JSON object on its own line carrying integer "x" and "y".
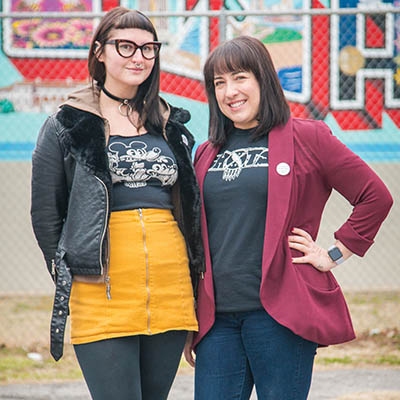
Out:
{"x": 301, "y": 232}
{"x": 313, "y": 254}
{"x": 301, "y": 243}
{"x": 301, "y": 236}
{"x": 187, "y": 351}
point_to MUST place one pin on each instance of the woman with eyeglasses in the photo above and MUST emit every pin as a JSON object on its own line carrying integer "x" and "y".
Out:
{"x": 115, "y": 210}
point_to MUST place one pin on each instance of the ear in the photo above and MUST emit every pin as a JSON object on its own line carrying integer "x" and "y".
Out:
{"x": 96, "y": 50}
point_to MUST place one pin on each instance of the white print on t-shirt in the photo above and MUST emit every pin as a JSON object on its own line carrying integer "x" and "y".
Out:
{"x": 233, "y": 162}
{"x": 134, "y": 164}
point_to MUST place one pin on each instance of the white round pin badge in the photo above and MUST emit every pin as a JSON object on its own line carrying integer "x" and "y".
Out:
{"x": 283, "y": 168}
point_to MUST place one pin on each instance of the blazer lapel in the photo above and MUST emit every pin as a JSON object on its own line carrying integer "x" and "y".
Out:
{"x": 207, "y": 155}
{"x": 280, "y": 179}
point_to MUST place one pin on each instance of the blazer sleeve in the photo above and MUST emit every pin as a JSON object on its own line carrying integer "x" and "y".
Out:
{"x": 49, "y": 193}
{"x": 348, "y": 174}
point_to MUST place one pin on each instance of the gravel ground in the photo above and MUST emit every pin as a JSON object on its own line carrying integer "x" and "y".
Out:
{"x": 349, "y": 384}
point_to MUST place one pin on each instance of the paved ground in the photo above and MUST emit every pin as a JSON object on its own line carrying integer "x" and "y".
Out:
{"x": 365, "y": 384}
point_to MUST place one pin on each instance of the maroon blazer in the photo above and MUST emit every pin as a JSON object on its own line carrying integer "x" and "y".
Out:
{"x": 305, "y": 163}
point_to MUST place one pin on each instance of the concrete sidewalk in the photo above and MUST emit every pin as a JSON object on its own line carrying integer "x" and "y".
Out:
{"x": 351, "y": 384}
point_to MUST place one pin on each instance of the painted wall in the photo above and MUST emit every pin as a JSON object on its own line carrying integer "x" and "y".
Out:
{"x": 342, "y": 69}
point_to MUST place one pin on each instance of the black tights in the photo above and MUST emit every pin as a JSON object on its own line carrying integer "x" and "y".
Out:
{"x": 133, "y": 367}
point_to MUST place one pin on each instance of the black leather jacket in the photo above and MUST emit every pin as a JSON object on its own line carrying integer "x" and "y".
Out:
{"x": 72, "y": 197}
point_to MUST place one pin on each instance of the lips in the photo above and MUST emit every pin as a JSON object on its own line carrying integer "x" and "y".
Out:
{"x": 135, "y": 71}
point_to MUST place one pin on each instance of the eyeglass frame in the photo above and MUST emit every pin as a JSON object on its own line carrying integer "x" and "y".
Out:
{"x": 116, "y": 43}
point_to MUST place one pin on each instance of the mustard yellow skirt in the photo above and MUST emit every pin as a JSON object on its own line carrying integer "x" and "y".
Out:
{"x": 149, "y": 278}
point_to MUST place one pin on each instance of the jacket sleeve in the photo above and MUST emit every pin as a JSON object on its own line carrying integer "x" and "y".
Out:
{"x": 49, "y": 193}
{"x": 348, "y": 174}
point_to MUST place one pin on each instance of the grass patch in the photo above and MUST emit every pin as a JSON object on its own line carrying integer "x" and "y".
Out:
{"x": 25, "y": 320}
{"x": 378, "y": 333}
{"x": 16, "y": 365}
{"x": 336, "y": 360}
{"x": 386, "y": 360}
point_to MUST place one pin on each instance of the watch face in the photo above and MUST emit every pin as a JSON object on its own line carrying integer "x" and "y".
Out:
{"x": 335, "y": 254}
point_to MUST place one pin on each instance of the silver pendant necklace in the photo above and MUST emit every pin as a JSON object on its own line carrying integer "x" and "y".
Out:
{"x": 123, "y": 102}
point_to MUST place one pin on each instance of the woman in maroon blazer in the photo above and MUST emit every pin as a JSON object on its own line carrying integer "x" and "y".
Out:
{"x": 268, "y": 298}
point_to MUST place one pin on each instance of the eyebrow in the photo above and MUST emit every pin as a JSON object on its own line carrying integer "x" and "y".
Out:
{"x": 231, "y": 72}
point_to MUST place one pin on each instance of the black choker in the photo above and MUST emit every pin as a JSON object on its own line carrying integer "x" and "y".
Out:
{"x": 124, "y": 102}
{"x": 111, "y": 96}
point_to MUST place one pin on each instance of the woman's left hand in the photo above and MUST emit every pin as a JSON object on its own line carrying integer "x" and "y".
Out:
{"x": 313, "y": 254}
{"x": 188, "y": 352}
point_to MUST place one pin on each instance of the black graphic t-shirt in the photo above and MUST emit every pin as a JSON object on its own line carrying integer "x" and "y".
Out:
{"x": 143, "y": 170}
{"x": 235, "y": 198}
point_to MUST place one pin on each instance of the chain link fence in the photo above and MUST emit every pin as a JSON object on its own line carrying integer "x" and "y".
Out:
{"x": 338, "y": 64}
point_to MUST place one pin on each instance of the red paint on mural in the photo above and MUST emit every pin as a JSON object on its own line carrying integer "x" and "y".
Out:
{"x": 48, "y": 70}
{"x": 318, "y": 106}
{"x": 375, "y": 37}
{"x": 370, "y": 116}
{"x": 181, "y": 86}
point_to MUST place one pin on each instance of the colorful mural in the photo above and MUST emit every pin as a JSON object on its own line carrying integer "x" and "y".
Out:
{"x": 344, "y": 69}
{"x": 49, "y": 38}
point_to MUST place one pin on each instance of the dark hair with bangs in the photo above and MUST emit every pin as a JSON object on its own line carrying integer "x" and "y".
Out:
{"x": 147, "y": 101}
{"x": 245, "y": 53}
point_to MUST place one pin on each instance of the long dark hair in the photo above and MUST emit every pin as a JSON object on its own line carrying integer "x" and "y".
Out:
{"x": 147, "y": 101}
{"x": 245, "y": 53}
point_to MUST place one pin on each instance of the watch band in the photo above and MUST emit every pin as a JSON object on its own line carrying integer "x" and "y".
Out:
{"x": 335, "y": 254}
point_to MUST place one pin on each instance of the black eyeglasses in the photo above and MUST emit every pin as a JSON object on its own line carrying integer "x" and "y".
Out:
{"x": 127, "y": 48}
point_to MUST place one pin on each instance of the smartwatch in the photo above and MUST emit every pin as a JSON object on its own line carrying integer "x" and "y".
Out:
{"x": 335, "y": 254}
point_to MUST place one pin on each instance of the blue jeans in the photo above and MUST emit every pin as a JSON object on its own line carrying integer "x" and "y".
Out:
{"x": 244, "y": 349}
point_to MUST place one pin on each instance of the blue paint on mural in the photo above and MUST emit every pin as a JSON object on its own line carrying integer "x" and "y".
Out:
{"x": 18, "y": 131}
{"x": 9, "y": 74}
{"x": 381, "y": 145}
{"x": 291, "y": 79}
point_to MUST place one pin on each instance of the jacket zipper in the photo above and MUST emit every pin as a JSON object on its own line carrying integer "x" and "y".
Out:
{"x": 104, "y": 271}
{"x": 108, "y": 287}
{"x": 53, "y": 270}
{"x": 146, "y": 257}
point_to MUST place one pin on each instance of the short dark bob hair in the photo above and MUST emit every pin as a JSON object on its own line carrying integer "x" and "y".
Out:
{"x": 245, "y": 53}
{"x": 146, "y": 102}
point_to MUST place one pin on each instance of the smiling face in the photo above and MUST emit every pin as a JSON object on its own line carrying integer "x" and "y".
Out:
{"x": 238, "y": 97}
{"x": 124, "y": 75}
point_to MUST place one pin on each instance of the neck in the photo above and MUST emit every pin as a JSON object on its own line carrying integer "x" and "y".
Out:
{"x": 116, "y": 98}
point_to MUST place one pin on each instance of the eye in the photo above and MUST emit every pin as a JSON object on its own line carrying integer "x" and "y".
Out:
{"x": 218, "y": 83}
{"x": 241, "y": 76}
{"x": 126, "y": 46}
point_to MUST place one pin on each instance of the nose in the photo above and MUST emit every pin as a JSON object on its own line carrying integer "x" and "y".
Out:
{"x": 137, "y": 55}
{"x": 230, "y": 89}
